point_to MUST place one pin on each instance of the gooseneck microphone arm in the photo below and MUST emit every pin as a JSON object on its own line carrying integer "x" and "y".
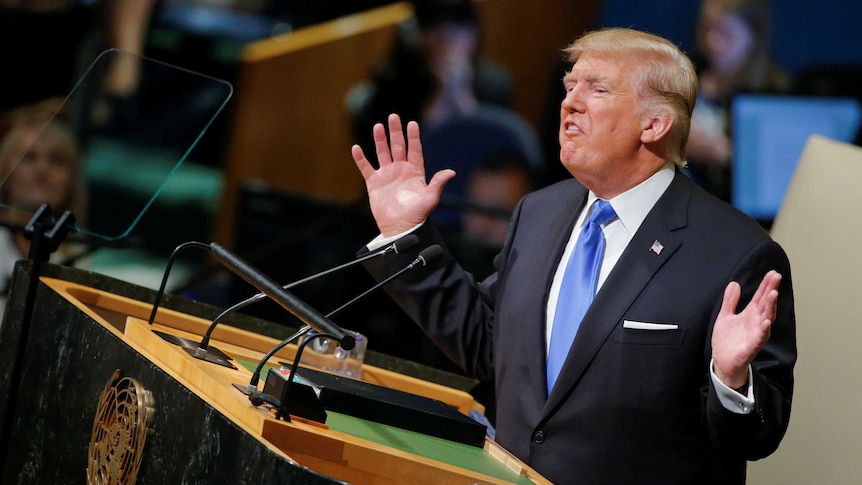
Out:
{"x": 284, "y": 298}
{"x": 403, "y": 244}
{"x": 161, "y": 292}
{"x": 426, "y": 257}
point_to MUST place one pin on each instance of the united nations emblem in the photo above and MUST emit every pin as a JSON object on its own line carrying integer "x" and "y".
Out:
{"x": 119, "y": 432}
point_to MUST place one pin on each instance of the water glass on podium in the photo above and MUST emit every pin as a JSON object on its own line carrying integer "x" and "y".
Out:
{"x": 325, "y": 353}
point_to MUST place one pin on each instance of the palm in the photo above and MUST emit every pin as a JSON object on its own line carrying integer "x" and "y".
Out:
{"x": 738, "y": 337}
{"x": 398, "y": 194}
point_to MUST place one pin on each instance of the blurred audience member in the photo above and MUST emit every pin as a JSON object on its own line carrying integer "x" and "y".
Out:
{"x": 47, "y": 44}
{"x": 40, "y": 163}
{"x": 435, "y": 75}
{"x": 495, "y": 187}
{"x": 434, "y": 71}
{"x": 734, "y": 39}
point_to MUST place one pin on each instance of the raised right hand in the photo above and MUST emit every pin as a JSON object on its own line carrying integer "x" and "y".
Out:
{"x": 398, "y": 194}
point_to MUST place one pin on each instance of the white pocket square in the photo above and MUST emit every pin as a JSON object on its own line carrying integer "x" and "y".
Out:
{"x": 649, "y": 326}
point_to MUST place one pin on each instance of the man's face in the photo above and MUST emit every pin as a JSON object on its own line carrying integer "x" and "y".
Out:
{"x": 600, "y": 127}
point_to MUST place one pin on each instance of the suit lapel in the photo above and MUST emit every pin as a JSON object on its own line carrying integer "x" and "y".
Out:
{"x": 634, "y": 270}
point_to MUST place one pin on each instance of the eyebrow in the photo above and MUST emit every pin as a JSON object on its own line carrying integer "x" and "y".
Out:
{"x": 589, "y": 78}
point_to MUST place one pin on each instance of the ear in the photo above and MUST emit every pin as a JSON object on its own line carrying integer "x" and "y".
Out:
{"x": 656, "y": 126}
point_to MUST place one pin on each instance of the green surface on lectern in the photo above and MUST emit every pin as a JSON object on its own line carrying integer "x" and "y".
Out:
{"x": 446, "y": 451}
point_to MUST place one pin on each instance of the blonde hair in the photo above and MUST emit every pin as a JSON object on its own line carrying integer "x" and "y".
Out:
{"x": 668, "y": 82}
{"x": 45, "y": 121}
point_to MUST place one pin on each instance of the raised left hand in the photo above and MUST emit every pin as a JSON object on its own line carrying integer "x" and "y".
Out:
{"x": 738, "y": 337}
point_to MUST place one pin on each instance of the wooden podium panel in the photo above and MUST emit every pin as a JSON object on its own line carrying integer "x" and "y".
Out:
{"x": 203, "y": 430}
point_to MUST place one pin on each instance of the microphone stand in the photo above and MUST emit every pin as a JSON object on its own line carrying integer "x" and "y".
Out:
{"x": 281, "y": 410}
{"x": 251, "y": 389}
{"x": 426, "y": 257}
{"x": 205, "y": 352}
{"x": 45, "y": 235}
{"x": 161, "y": 292}
{"x": 213, "y": 355}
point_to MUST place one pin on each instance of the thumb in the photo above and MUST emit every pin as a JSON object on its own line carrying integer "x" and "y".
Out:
{"x": 439, "y": 180}
{"x": 731, "y": 299}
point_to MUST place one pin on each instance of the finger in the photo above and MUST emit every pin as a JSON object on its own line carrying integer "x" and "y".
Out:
{"x": 766, "y": 296}
{"x": 775, "y": 277}
{"x": 731, "y": 299}
{"x": 396, "y": 139}
{"x": 765, "y": 331}
{"x": 769, "y": 282}
{"x": 771, "y": 305}
{"x": 766, "y": 327}
{"x": 362, "y": 163}
{"x": 762, "y": 287}
{"x": 414, "y": 143}
{"x": 384, "y": 157}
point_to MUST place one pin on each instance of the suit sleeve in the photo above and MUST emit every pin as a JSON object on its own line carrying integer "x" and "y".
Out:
{"x": 758, "y": 434}
{"x": 451, "y": 307}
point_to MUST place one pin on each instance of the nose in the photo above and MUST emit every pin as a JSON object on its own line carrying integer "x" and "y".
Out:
{"x": 41, "y": 164}
{"x": 572, "y": 101}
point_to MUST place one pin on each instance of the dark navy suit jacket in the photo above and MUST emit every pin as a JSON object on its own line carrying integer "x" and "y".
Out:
{"x": 631, "y": 405}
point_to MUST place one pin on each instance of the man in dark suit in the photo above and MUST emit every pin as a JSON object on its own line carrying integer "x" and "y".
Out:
{"x": 665, "y": 380}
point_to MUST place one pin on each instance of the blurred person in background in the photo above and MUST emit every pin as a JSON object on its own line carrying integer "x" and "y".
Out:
{"x": 46, "y": 45}
{"x": 40, "y": 163}
{"x": 734, "y": 40}
{"x": 435, "y": 75}
{"x": 434, "y": 71}
{"x": 495, "y": 187}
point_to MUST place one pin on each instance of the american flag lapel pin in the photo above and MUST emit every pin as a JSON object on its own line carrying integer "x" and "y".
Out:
{"x": 656, "y": 247}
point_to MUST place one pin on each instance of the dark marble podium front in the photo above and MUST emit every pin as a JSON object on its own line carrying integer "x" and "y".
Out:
{"x": 63, "y": 367}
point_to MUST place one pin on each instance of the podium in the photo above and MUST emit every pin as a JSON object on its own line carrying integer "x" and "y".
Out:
{"x": 89, "y": 332}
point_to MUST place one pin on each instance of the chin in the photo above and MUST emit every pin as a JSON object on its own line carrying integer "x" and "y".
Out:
{"x": 569, "y": 157}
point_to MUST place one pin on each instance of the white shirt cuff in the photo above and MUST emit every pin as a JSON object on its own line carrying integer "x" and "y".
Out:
{"x": 380, "y": 241}
{"x": 730, "y": 399}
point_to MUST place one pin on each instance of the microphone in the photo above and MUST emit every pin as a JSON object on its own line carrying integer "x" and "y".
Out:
{"x": 213, "y": 355}
{"x": 404, "y": 244}
{"x": 284, "y": 298}
{"x": 425, "y": 257}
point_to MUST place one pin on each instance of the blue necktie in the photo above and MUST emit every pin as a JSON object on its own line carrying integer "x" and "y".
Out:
{"x": 578, "y": 287}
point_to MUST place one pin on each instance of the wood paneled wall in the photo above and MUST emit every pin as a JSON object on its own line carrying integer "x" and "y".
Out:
{"x": 290, "y": 126}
